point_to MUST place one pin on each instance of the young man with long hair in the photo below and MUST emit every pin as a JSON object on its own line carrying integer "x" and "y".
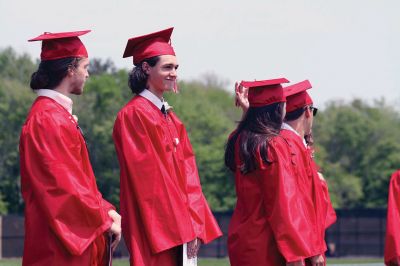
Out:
{"x": 67, "y": 221}
{"x": 162, "y": 202}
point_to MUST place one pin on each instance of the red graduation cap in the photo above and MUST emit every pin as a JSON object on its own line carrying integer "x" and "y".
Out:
{"x": 297, "y": 96}
{"x": 61, "y": 45}
{"x": 146, "y": 46}
{"x": 265, "y": 92}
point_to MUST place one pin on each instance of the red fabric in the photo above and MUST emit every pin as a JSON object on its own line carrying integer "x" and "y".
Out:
{"x": 61, "y": 45}
{"x": 150, "y": 45}
{"x": 326, "y": 215}
{"x": 265, "y": 92}
{"x": 298, "y": 101}
{"x": 297, "y": 96}
{"x": 330, "y": 211}
{"x": 99, "y": 254}
{"x": 281, "y": 213}
{"x": 64, "y": 211}
{"x": 392, "y": 245}
{"x": 161, "y": 198}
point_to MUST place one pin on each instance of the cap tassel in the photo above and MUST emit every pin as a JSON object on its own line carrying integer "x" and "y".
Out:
{"x": 176, "y": 89}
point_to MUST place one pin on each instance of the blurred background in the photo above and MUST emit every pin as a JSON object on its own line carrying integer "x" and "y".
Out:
{"x": 347, "y": 49}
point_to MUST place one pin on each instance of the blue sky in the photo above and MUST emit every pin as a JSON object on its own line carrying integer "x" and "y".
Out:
{"x": 346, "y": 48}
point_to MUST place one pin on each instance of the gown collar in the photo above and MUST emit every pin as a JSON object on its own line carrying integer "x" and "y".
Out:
{"x": 60, "y": 98}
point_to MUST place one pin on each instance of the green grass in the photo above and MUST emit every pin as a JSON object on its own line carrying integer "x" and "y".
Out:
{"x": 354, "y": 260}
{"x": 208, "y": 262}
{"x": 10, "y": 262}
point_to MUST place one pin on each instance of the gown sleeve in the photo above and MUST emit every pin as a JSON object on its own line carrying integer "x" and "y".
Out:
{"x": 206, "y": 227}
{"x": 330, "y": 212}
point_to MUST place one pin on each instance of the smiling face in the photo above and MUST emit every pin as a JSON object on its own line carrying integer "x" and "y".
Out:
{"x": 162, "y": 77}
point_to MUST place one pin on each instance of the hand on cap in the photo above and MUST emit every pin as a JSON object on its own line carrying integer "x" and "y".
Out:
{"x": 241, "y": 97}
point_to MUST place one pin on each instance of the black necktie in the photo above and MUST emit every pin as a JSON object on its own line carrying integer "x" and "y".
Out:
{"x": 163, "y": 110}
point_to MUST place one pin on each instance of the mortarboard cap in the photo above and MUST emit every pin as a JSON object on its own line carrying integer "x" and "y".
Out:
{"x": 265, "y": 92}
{"x": 297, "y": 96}
{"x": 61, "y": 45}
{"x": 150, "y": 45}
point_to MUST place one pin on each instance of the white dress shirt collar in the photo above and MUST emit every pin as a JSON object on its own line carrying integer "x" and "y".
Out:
{"x": 288, "y": 127}
{"x": 60, "y": 98}
{"x": 152, "y": 98}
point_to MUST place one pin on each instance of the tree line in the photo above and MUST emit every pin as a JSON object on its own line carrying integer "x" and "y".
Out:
{"x": 357, "y": 143}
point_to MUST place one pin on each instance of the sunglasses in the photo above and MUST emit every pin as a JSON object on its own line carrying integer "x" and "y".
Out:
{"x": 313, "y": 109}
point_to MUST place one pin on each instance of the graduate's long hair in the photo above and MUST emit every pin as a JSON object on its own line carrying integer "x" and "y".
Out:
{"x": 259, "y": 125}
{"x": 50, "y": 73}
{"x": 137, "y": 80}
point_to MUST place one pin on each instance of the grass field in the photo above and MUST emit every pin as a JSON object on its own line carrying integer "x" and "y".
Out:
{"x": 214, "y": 262}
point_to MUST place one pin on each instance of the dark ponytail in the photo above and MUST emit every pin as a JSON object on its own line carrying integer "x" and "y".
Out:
{"x": 51, "y": 72}
{"x": 137, "y": 80}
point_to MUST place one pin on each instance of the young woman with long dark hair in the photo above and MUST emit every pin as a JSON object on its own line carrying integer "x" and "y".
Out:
{"x": 271, "y": 224}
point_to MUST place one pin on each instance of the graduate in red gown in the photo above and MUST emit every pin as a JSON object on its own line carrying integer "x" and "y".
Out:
{"x": 67, "y": 222}
{"x": 161, "y": 198}
{"x": 392, "y": 245}
{"x": 275, "y": 221}
{"x": 297, "y": 130}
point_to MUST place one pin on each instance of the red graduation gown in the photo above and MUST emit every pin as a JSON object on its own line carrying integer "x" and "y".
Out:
{"x": 162, "y": 203}
{"x": 330, "y": 212}
{"x": 392, "y": 245}
{"x": 65, "y": 214}
{"x": 276, "y": 219}
{"x": 326, "y": 215}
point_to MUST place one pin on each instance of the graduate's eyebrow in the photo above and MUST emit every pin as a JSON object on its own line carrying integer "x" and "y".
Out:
{"x": 168, "y": 65}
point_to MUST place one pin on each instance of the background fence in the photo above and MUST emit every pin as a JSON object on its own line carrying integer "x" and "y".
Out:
{"x": 357, "y": 232}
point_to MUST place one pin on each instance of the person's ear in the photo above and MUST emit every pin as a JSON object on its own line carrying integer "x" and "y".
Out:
{"x": 146, "y": 67}
{"x": 71, "y": 72}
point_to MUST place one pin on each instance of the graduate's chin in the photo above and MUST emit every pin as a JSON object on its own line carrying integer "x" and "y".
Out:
{"x": 168, "y": 88}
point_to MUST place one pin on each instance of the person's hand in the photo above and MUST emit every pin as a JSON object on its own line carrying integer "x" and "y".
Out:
{"x": 309, "y": 138}
{"x": 321, "y": 177}
{"x": 115, "y": 231}
{"x": 115, "y": 216}
{"x": 193, "y": 248}
{"x": 295, "y": 263}
{"x": 241, "y": 97}
{"x": 318, "y": 260}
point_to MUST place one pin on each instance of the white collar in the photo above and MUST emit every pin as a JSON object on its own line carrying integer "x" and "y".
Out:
{"x": 60, "y": 98}
{"x": 152, "y": 98}
{"x": 290, "y": 128}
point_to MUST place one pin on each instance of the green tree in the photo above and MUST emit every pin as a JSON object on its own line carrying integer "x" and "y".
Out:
{"x": 359, "y": 149}
{"x": 15, "y": 101}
